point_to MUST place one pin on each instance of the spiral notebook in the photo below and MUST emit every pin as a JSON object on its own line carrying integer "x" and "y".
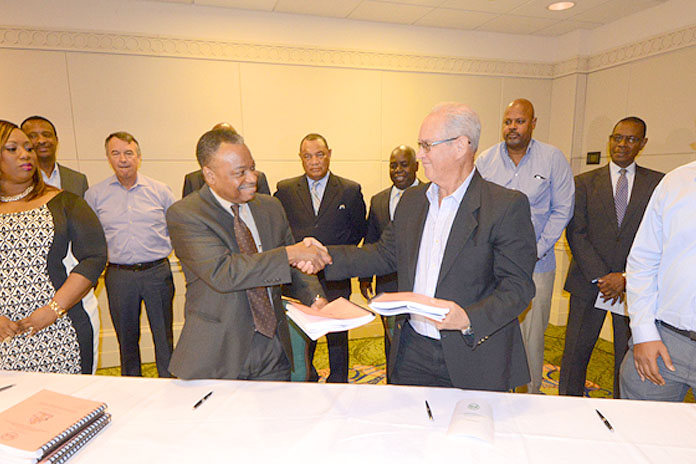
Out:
{"x": 39, "y": 425}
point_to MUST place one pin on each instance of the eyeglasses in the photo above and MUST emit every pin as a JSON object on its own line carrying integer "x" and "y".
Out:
{"x": 617, "y": 138}
{"x": 308, "y": 156}
{"x": 427, "y": 146}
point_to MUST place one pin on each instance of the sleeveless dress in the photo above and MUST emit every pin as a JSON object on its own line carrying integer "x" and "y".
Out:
{"x": 25, "y": 285}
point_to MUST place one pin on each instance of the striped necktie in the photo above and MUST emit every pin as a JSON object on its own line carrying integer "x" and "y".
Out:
{"x": 621, "y": 196}
{"x": 316, "y": 199}
{"x": 259, "y": 302}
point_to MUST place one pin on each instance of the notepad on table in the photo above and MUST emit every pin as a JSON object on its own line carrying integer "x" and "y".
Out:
{"x": 337, "y": 316}
{"x": 49, "y": 426}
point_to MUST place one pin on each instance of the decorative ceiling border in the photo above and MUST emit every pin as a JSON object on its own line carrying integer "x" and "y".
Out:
{"x": 130, "y": 44}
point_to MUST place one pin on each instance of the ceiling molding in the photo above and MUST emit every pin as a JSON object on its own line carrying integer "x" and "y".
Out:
{"x": 131, "y": 44}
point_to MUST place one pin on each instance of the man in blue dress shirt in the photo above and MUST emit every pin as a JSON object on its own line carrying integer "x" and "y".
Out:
{"x": 541, "y": 172}
{"x": 131, "y": 208}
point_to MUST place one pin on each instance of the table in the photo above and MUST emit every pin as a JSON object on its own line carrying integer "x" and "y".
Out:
{"x": 257, "y": 422}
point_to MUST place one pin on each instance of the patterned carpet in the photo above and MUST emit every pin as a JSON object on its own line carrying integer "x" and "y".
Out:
{"x": 368, "y": 364}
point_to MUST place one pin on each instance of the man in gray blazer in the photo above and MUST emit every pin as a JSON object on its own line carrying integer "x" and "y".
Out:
{"x": 466, "y": 242}
{"x": 236, "y": 248}
{"x": 600, "y": 236}
{"x": 43, "y": 135}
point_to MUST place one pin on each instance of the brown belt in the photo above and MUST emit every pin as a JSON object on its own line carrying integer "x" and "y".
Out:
{"x": 138, "y": 266}
{"x": 687, "y": 333}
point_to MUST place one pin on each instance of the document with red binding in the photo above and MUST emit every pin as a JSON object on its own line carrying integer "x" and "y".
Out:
{"x": 35, "y": 427}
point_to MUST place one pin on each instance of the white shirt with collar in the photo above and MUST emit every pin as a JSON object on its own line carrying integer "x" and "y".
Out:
{"x": 395, "y": 196}
{"x": 436, "y": 231}
{"x": 54, "y": 179}
{"x": 245, "y": 215}
{"x": 321, "y": 185}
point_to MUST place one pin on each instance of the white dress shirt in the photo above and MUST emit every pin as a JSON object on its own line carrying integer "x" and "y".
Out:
{"x": 662, "y": 263}
{"x": 630, "y": 177}
{"x": 395, "y": 196}
{"x": 432, "y": 248}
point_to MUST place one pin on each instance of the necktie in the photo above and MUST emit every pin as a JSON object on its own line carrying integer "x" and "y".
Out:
{"x": 316, "y": 200}
{"x": 394, "y": 203}
{"x": 260, "y": 304}
{"x": 621, "y": 196}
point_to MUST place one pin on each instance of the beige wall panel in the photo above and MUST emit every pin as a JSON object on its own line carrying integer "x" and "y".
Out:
{"x": 36, "y": 82}
{"x": 408, "y": 97}
{"x": 166, "y": 103}
{"x": 607, "y": 94}
{"x": 665, "y": 162}
{"x": 662, "y": 92}
{"x": 281, "y": 104}
{"x": 538, "y": 91}
{"x": 561, "y": 117}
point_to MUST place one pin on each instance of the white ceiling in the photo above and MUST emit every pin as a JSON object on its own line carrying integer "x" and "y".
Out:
{"x": 507, "y": 16}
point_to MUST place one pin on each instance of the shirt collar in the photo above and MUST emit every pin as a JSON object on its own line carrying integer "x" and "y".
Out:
{"x": 397, "y": 189}
{"x": 138, "y": 181}
{"x": 322, "y": 181}
{"x": 506, "y": 155}
{"x": 227, "y": 205}
{"x": 434, "y": 190}
{"x": 630, "y": 169}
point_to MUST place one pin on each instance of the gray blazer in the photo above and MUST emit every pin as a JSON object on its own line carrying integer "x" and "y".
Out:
{"x": 598, "y": 245}
{"x": 72, "y": 181}
{"x": 377, "y": 220}
{"x": 486, "y": 269}
{"x": 218, "y": 329}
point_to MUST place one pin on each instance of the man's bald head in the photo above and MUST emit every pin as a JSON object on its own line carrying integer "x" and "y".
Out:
{"x": 518, "y": 125}
{"x": 224, "y": 126}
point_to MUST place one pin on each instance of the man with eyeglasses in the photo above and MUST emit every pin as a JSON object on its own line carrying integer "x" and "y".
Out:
{"x": 609, "y": 206}
{"x": 331, "y": 208}
{"x": 541, "y": 172}
{"x": 467, "y": 243}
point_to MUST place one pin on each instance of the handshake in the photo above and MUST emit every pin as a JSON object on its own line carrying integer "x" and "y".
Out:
{"x": 309, "y": 255}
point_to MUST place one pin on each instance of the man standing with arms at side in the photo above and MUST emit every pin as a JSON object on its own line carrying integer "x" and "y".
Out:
{"x": 609, "y": 205}
{"x": 541, "y": 172}
{"x": 131, "y": 208}
{"x": 323, "y": 205}
{"x": 235, "y": 248}
{"x": 194, "y": 180}
{"x": 403, "y": 167}
{"x": 44, "y": 136}
{"x": 662, "y": 295}
{"x": 468, "y": 243}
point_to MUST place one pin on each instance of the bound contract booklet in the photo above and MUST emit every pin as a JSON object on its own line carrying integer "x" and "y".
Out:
{"x": 337, "y": 316}
{"x": 392, "y": 304}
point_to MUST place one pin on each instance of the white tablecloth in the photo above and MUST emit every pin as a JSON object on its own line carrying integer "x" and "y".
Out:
{"x": 153, "y": 422}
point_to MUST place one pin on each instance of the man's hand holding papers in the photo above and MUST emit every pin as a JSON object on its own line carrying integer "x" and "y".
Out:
{"x": 447, "y": 314}
{"x": 337, "y": 316}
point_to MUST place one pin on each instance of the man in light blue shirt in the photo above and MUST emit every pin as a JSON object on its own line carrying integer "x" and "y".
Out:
{"x": 662, "y": 295}
{"x": 131, "y": 208}
{"x": 541, "y": 172}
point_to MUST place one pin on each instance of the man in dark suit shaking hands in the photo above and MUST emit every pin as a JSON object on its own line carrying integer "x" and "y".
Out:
{"x": 470, "y": 245}
{"x": 330, "y": 208}
{"x": 236, "y": 248}
{"x": 609, "y": 206}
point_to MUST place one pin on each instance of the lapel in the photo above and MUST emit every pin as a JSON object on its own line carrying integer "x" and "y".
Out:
{"x": 303, "y": 195}
{"x": 383, "y": 206}
{"x": 223, "y": 219}
{"x": 263, "y": 224}
{"x": 413, "y": 233}
{"x": 465, "y": 222}
{"x": 605, "y": 194}
{"x": 331, "y": 195}
{"x": 639, "y": 192}
{"x": 65, "y": 178}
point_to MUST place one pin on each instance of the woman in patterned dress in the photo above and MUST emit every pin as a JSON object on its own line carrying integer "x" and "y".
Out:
{"x": 43, "y": 326}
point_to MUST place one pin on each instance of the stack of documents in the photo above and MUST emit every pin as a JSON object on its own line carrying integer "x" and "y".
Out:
{"x": 49, "y": 427}
{"x": 391, "y": 304}
{"x": 337, "y": 316}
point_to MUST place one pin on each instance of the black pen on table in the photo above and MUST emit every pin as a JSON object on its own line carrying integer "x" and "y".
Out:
{"x": 604, "y": 419}
{"x": 427, "y": 409}
{"x": 6, "y": 387}
{"x": 202, "y": 400}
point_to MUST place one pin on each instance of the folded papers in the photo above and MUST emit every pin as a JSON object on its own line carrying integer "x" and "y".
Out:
{"x": 337, "y": 316}
{"x": 391, "y": 304}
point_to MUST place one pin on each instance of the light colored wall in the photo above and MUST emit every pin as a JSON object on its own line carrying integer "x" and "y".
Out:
{"x": 363, "y": 85}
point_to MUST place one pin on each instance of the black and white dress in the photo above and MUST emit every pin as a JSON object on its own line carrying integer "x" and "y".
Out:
{"x": 32, "y": 246}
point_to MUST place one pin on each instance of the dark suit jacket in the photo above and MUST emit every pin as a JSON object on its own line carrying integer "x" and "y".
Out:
{"x": 194, "y": 181}
{"x": 217, "y": 333}
{"x": 486, "y": 269}
{"x": 341, "y": 218}
{"x": 377, "y": 220}
{"x": 72, "y": 181}
{"x": 598, "y": 245}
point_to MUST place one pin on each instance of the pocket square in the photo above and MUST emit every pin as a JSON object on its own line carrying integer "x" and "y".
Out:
{"x": 341, "y": 206}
